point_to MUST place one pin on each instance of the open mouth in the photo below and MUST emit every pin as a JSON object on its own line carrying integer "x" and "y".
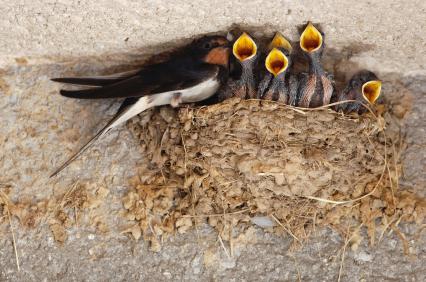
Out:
{"x": 276, "y": 62}
{"x": 371, "y": 90}
{"x": 279, "y": 41}
{"x": 244, "y": 48}
{"x": 311, "y": 39}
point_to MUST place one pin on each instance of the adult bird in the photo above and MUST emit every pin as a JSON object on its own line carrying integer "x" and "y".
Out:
{"x": 192, "y": 73}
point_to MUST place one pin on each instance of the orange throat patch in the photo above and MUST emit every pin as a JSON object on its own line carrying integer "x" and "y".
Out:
{"x": 218, "y": 56}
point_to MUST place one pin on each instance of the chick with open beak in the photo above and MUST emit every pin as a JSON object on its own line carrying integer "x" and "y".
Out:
{"x": 315, "y": 87}
{"x": 364, "y": 87}
{"x": 277, "y": 84}
{"x": 245, "y": 51}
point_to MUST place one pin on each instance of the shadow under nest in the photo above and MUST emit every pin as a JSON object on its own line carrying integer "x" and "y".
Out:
{"x": 288, "y": 170}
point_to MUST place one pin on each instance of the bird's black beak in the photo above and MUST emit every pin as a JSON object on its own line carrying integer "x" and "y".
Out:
{"x": 371, "y": 90}
{"x": 311, "y": 39}
{"x": 279, "y": 41}
{"x": 276, "y": 62}
{"x": 244, "y": 48}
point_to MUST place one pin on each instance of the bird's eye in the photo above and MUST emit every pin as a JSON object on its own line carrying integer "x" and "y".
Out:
{"x": 207, "y": 45}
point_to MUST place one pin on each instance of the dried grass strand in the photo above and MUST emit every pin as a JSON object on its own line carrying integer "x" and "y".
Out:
{"x": 15, "y": 248}
{"x": 215, "y": 215}
{"x": 286, "y": 229}
{"x": 223, "y": 246}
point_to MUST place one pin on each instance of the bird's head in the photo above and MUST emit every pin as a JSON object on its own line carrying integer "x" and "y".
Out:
{"x": 244, "y": 48}
{"x": 279, "y": 41}
{"x": 213, "y": 50}
{"x": 278, "y": 59}
{"x": 312, "y": 40}
{"x": 367, "y": 85}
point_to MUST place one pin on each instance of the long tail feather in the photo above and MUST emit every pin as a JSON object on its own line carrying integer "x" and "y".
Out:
{"x": 89, "y": 81}
{"x": 81, "y": 94}
{"x": 132, "y": 87}
{"x": 82, "y": 150}
{"x": 129, "y": 108}
{"x": 96, "y": 80}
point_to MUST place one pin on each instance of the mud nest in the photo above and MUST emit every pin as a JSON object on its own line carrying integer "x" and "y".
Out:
{"x": 247, "y": 162}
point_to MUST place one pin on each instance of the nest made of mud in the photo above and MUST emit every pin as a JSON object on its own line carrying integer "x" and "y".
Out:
{"x": 282, "y": 168}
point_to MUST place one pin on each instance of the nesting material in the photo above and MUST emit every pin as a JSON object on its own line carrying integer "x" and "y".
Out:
{"x": 82, "y": 204}
{"x": 257, "y": 161}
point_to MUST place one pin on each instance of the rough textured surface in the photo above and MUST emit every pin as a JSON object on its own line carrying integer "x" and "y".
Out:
{"x": 43, "y": 39}
{"x": 71, "y": 28}
{"x": 244, "y": 162}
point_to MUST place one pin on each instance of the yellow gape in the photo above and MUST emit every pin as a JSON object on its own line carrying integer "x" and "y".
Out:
{"x": 311, "y": 39}
{"x": 244, "y": 48}
{"x": 276, "y": 62}
{"x": 371, "y": 90}
{"x": 279, "y": 41}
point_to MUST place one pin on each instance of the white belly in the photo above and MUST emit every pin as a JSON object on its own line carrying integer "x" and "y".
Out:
{"x": 196, "y": 93}
{"x": 200, "y": 92}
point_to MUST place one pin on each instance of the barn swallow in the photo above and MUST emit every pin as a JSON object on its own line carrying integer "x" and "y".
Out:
{"x": 315, "y": 87}
{"x": 363, "y": 87}
{"x": 277, "y": 85}
{"x": 245, "y": 51}
{"x": 192, "y": 74}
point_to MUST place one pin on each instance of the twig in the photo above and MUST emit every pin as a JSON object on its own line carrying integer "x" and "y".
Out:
{"x": 264, "y": 140}
{"x": 286, "y": 229}
{"x": 342, "y": 261}
{"x": 403, "y": 239}
{"x": 330, "y": 105}
{"x": 184, "y": 149}
{"x": 395, "y": 157}
{"x": 296, "y": 264}
{"x": 344, "y": 251}
{"x": 13, "y": 238}
{"x": 66, "y": 195}
{"x": 387, "y": 226}
{"x": 231, "y": 241}
{"x": 216, "y": 214}
{"x": 270, "y": 173}
{"x": 314, "y": 220}
{"x": 297, "y": 110}
{"x": 224, "y": 248}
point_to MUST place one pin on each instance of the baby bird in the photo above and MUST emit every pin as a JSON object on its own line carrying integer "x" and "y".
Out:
{"x": 245, "y": 51}
{"x": 277, "y": 85}
{"x": 363, "y": 87}
{"x": 315, "y": 87}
